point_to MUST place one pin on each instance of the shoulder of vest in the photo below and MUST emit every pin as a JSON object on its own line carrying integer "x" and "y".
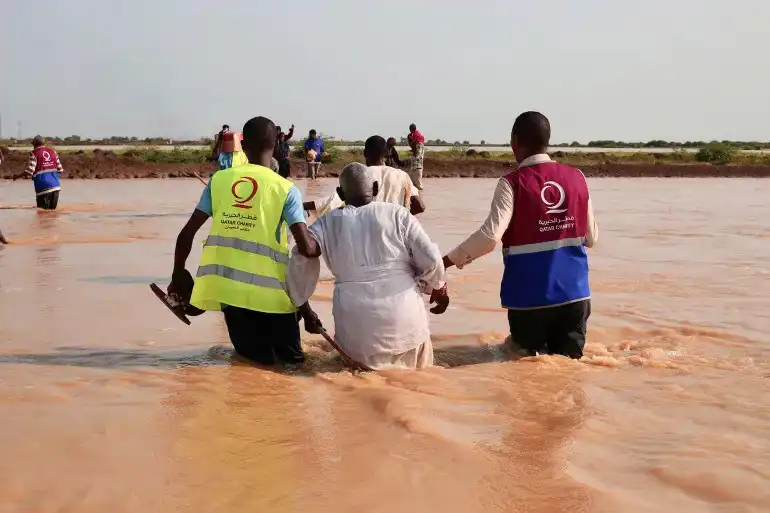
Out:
{"x": 258, "y": 172}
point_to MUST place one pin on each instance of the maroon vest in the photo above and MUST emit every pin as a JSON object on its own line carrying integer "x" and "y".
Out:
{"x": 46, "y": 159}
{"x": 550, "y": 202}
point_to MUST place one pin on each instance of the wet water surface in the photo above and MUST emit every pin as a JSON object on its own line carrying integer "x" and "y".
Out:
{"x": 109, "y": 403}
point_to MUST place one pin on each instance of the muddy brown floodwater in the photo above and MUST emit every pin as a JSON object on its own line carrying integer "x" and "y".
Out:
{"x": 109, "y": 403}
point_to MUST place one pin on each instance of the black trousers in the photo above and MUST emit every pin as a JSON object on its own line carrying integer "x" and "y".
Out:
{"x": 264, "y": 338}
{"x": 48, "y": 201}
{"x": 284, "y": 168}
{"x": 558, "y": 330}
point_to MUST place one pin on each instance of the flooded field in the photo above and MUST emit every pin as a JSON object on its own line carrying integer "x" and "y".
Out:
{"x": 109, "y": 403}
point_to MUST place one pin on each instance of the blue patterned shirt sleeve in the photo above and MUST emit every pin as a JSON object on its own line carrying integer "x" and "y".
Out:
{"x": 204, "y": 204}
{"x": 293, "y": 212}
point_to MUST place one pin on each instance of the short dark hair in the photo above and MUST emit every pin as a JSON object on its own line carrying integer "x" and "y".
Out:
{"x": 533, "y": 130}
{"x": 313, "y": 132}
{"x": 391, "y": 140}
{"x": 38, "y": 141}
{"x": 376, "y": 147}
{"x": 225, "y": 127}
{"x": 412, "y": 127}
{"x": 259, "y": 134}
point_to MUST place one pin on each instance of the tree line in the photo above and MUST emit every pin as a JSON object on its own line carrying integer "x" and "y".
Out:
{"x": 76, "y": 140}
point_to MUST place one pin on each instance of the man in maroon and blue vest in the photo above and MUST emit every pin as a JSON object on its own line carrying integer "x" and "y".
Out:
{"x": 44, "y": 167}
{"x": 545, "y": 282}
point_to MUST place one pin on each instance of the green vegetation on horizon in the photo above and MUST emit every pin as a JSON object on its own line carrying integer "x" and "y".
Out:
{"x": 76, "y": 140}
{"x": 715, "y": 153}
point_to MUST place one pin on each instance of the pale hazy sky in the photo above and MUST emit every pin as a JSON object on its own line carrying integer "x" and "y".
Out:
{"x": 599, "y": 69}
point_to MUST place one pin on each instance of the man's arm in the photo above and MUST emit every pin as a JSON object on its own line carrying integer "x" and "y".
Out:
{"x": 301, "y": 279}
{"x": 592, "y": 234}
{"x": 290, "y": 134}
{"x": 31, "y": 164}
{"x": 485, "y": 239}
{"x": 294, "y": 216}
{"x": 306, "y": 245}
{"x": 184, "y": 240}
{"x": 59, "y": 167}
{"x": 592, "y": 230}
{"x": 426, "y": 260}
{"x": 309, "y": 206}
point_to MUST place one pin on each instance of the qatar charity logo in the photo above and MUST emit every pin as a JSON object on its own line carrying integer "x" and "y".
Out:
{"x": 241, "y": 201}
{"x": 554, "y": 207}
{"x": 46, "y": 156}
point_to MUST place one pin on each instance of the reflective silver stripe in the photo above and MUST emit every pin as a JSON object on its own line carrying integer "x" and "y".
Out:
{"x": 241, "y": 276}
{"x": 543, "y": 246}
{"x": 247, "y": 246}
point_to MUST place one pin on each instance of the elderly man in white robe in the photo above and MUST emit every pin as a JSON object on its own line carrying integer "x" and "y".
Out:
{"x": 382, "y": 261}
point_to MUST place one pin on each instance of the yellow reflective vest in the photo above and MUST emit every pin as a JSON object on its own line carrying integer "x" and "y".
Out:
{"x": 242, "y": 263}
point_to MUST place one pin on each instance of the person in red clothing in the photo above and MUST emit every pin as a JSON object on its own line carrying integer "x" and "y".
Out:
{"x": 545, "y": 282}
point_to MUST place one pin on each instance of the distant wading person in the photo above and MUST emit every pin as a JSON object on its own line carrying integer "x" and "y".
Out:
{"x": 417, "y": 145}
{"x": 314, "y": 148}
{"x": 243, "y": 265}
{"x": 216, "y": 152}
{"x": 545, "y": 282}
{"x": 45, "y": 167}
{"x": 394, "y": 185}
{"x": 3, "y": 240}
{"x": 282, "y": 149}
{"x": 228, "y": 150}
{"x": 391, "y": 157}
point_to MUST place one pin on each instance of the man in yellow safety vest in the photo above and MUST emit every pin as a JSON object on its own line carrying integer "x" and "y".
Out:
{"x": 243, "y": 266}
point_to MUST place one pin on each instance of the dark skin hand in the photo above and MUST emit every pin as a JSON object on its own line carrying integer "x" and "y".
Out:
{"x": 441, "y": 298}
{"x": 448, "y": 263}
{"x": 312, "y": 321}
{"x": 416, "y": 206}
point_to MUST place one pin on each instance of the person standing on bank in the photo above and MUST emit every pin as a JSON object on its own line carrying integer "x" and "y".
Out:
{"x": 392, "y": 158}
{"x": 545, "y": 282}
{"x": 243, "y": 266}
{"x": 45, "y": 167}
{"x": 314, "y": 149}
{"x": 416, "y": 162}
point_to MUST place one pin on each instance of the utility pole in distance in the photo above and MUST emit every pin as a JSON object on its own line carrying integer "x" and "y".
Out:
{"x": 18, "y": 130}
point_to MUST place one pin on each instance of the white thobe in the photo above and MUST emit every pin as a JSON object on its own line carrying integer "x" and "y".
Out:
{"x": 382, "y": 261}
